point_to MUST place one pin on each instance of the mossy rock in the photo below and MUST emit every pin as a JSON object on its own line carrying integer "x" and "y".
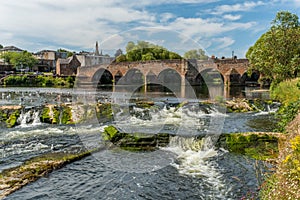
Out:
{"x": 136, "y": 141}
{"x": 31, "y": 170}
{"x": 104, "y": 112}
{"x": 12, "y": 119}
{"x": 144, "y": 104}
{"x": 257, "y": 146}
{"x": 45, "y": 117}
{"x": 66, "y": 115}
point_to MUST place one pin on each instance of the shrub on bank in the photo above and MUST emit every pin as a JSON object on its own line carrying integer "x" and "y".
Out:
{"x": 288, "y": 93}
{"x": 285, "y": 183}
{"x": 39, "y": 81}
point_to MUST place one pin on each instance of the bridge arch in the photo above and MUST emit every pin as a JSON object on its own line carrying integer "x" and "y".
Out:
{"x": 117, "y": 76}
{"x": 132, "y": 77}
{"x": 102, "y": 76}
{"x": 212, "y": 76}
{"x": 169, "y": 76}
{"x": 151, "y": 78}
{"x": 250, "y": 80}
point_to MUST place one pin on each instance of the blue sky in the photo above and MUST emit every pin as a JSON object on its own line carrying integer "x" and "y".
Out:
{"x": 217, "y": 26}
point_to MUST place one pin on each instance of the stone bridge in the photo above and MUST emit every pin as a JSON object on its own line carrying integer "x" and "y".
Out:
{"x": 231, "y": 71}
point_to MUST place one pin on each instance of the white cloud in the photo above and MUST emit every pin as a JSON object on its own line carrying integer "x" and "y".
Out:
{"x": 165, "y": 17}
{"x": 246, "y": 6}
{"x": 205, "y": 27}
{"x": 294, "y": 2}
{"x": 232, "y": 17}
{"x": 224, "y": 42}
{"x": 35, "y": 24}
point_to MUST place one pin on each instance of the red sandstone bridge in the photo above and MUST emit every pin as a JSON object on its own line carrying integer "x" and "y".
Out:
{"x": 229, "y": 71}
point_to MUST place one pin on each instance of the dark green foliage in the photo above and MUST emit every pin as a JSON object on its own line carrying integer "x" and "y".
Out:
{"x": 20, "y": 60}
{"x": 288, "y": 93}
{"x": 41, "y": 81}
{"x": 198, "y": 54}
{"x": 276, "y": 52}
{"x": 143, "y": 51}
{"x": 286, "y": 114}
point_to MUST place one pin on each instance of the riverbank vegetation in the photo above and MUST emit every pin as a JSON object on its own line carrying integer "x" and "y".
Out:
{"x": 39, "y": 81}
{"x": 276, "y": 56}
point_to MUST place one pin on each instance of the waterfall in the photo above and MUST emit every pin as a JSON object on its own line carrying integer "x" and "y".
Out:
{"x": 194, "y": 159}
{"x": 36, "y": 118}
{"x": 29, "y": 118}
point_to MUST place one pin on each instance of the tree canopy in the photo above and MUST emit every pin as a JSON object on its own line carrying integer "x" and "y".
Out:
{"x": 69, "y": 53}
{"x": 20, "y": 59}
{"x": 198, "y": 54}
{"x": 276, "y": 54}
{"x": 146, "y": 51}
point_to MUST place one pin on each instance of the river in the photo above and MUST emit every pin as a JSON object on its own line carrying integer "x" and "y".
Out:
{"x": 185, "y": 169}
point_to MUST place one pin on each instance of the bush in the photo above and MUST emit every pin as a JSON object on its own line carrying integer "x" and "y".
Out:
{"x": 39, "y": 81}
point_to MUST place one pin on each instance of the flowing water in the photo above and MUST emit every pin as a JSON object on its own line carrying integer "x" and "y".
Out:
{"x": 188, "y": 168}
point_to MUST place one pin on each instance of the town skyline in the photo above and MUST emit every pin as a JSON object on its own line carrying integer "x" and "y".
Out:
{"x": 219, "y": 27}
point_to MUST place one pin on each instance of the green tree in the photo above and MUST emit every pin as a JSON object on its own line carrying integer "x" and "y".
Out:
{"x": 130, "y": 46}
{"x": 146, "y": 51}
{"x": 198, "y": 54}
{"x": 20, "y": 60}
{"x": 1, "y": 46}
{"x": 276, "y": 54}
{"x": 69, "y": 53}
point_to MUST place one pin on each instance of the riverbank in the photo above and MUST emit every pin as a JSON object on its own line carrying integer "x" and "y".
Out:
{"x": 33, "y": 80}
{"x": 285, "y": 182}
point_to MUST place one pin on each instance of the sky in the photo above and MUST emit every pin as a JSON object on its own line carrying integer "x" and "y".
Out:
{"x": 219, "y": 27}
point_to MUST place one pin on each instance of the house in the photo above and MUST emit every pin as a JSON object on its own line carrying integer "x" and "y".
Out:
{"x": 4, "y": 66}
{"x": 94, "y": 58}
{"x": 10, "y": 49}
{"x": 47, "y": 60}
{"x": 68, "y": 66}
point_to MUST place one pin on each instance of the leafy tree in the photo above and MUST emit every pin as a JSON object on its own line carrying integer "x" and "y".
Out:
{"x": 1, "y": 46}
{"x": 198, "y": 54}
{"x": 276, "y": 54}
{"x": 146, "y": 51}
{"x": 130, "y": 46}
{"x": 69, "y": 53}
{"x": 20, "y": 60}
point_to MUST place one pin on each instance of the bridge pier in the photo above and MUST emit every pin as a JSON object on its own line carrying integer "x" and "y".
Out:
{"x": 182, "y": 86}
{"x": 145, "y": 84}
{"x": 114, "y": 83}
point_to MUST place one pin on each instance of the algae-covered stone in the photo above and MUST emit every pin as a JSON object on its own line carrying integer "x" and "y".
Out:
{"x": 12, "y": 119}
{"x": 31, "y": 170}
{"x": 104, "y": 112}
{"x": 66, "y": 115}
{"x": 258, "y": 146}
{"x": 135, "y": 141}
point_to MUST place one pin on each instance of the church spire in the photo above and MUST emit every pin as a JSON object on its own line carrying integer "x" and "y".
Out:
{"x": 97, "y": 49}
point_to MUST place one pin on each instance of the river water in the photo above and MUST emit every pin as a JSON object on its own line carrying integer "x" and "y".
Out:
{"x": 185, "y": 169}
